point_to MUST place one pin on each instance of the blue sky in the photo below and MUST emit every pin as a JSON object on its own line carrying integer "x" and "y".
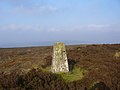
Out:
{"x": 92, "y": 21}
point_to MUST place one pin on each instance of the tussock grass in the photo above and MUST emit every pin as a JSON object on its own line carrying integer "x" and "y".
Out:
{"x": 47, "y": 69}
{"x": 117, "y": 55}
{"x": 76, "y": 74}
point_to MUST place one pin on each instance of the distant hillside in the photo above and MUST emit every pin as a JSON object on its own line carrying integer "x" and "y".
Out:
{"x": 44, "y": 43}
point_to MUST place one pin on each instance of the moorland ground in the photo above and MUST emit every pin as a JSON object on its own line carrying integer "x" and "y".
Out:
{"x": 91, "y": 67}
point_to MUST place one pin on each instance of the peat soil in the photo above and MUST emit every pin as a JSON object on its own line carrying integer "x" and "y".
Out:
{"x": 20, "y": 68}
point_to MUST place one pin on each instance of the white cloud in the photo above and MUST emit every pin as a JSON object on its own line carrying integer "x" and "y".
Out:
{"x": 29, "y": 10}
{"x": 97, "y": 26}
{"x": 38, "y": 27}
{"x": 87, "y": 27}
{"x": 35, "y": 9}
{"x": 16, "y": 27}
{"x": 17, "y": 2}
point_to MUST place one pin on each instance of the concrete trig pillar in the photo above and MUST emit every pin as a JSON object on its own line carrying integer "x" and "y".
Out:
{"x": 59, "y": 61}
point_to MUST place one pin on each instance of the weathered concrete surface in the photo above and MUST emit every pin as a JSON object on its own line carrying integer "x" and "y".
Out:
{"x": 59, "y": 61}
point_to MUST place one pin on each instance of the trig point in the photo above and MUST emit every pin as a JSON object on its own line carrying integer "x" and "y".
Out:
{"x": 59, "y": 61}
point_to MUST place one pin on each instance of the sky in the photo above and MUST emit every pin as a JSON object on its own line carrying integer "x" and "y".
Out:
{"x": 83, "y": 21}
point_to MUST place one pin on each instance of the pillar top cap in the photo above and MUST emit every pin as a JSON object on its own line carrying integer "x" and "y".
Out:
{"x": 59, "y": 43}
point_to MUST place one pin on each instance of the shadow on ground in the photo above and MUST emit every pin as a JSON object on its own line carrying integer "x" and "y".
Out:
{"x": 71, "y": 64}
